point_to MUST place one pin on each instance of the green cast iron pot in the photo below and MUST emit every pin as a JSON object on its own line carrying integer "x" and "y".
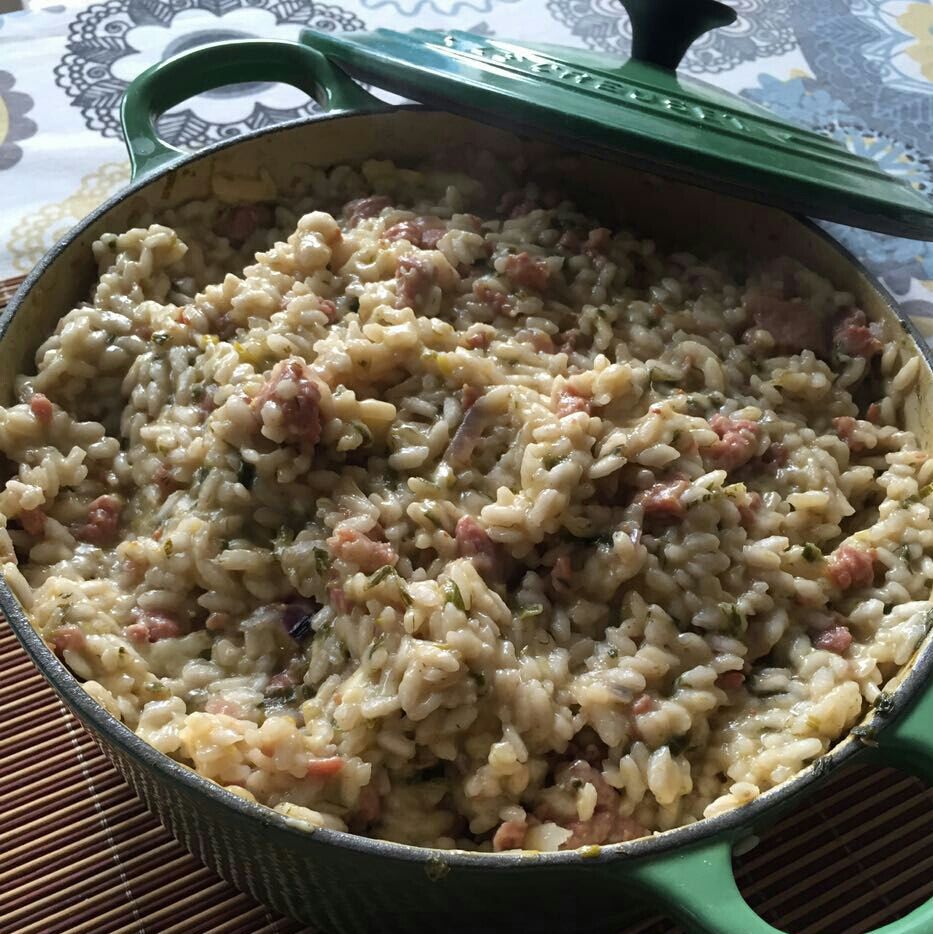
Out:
{"x": 343, "y": 883}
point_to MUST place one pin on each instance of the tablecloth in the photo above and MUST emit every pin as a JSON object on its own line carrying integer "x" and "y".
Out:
{"x": 859, "y": 70}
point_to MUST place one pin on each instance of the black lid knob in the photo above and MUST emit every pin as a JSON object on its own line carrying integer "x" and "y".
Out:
{"x": 663, "y": 30}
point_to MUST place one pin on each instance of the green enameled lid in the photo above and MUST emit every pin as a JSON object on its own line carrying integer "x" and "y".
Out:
{"x": 640, "y": 113}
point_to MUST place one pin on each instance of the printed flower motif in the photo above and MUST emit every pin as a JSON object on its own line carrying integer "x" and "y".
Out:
{"x": 763, "y": 29}
{"x": 15, "y": 126}
{"x": 37, "y": 231}
{"x": 799, "y": 101}
{"x": 110, "y": 43}
{"x": 917, "y": 19}
{"x": 441, "y": 7}
{"x": 894, "y": 260}
{"x": 893, "y": 156}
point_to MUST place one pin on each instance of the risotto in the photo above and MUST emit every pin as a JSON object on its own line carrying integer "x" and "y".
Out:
{"x": 449, "y": 516}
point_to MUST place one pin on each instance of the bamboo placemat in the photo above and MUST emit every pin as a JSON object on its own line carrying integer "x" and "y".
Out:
{"x": 79, "y": 854}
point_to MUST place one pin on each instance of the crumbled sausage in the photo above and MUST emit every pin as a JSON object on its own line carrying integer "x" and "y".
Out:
{"x": 853, "y": 336}
{"x": 474, "y": 543}
{"x": 530, "y": 272}
{"x": 738, "y": 439}
{"x": 846, "y": 427}
{"x": 41, "y": 407}
{"x": 568, "y": 401}
{"x": 510, "y": 835}
{"x": 414, "y": 275}
{"x": 423, "y": 232}
{"x": 793, "y": 325}
{"x": 644, "y": 703}
{"x": 363, "y": 208}
{"x": 325, "y": 768}
{"x": 68, "y": 637}
{"x": 33, "y": 521}
{"x": 493, "y": 298}
{"x": 479, "y": 340}
{"x": 835, "y": 639}
{"x": 606, "y": 824}
{"x": 280, "y": 683}
{"x": 292, "y": 388}
{"x": 151, "y": 626}
{"x": 357, "y": 548}
{"x": 664, "y": 498}
{"x": 164, "y": 480}
{"x": 240, "y": 222}
{"x": 730, "y": 680}
{"x": 103, "y": 519}
{"x": 852, "y": 567}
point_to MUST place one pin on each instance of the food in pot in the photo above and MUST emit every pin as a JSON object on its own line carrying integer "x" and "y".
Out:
{"x": 464, "y": 523}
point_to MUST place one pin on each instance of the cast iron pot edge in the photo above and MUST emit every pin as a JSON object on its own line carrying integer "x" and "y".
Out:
{"x": 732, "y": 824}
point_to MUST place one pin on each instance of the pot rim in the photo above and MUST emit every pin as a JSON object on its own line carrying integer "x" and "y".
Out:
{"x": 729, "y": 824}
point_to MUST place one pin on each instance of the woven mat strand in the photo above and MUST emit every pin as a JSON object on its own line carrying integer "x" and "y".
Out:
{"x": 80, "y": 855}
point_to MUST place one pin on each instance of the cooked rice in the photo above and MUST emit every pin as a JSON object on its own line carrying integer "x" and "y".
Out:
{"x": 583, "y": 551}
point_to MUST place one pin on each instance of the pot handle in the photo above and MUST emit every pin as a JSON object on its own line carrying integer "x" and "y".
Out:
{"x": 696, "y": 884}
{"x": 168, "y": 83}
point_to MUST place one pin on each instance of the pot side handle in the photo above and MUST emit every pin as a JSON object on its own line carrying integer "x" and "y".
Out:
{"x": 696, "y": 884}
{"x": 168, "y": 83}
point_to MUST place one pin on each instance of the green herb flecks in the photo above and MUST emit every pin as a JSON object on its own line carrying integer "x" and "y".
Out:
{"x": 379, "y": 576}
{"x": 376, "y": 644}
{"x": 735, "y": 622}
{"x": 452, "y": 595}
{"x": 696, "y": 405}
{"x": 529, "y": 610}
{"x": 811, "y": 552}
{"x": 384, "y": 573}
{"x": 550, "y": 461}
{"x": 321, "y": 560}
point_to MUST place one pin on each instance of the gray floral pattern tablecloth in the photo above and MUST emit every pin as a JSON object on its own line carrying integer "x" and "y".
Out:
{"x": 858, "y": 70}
